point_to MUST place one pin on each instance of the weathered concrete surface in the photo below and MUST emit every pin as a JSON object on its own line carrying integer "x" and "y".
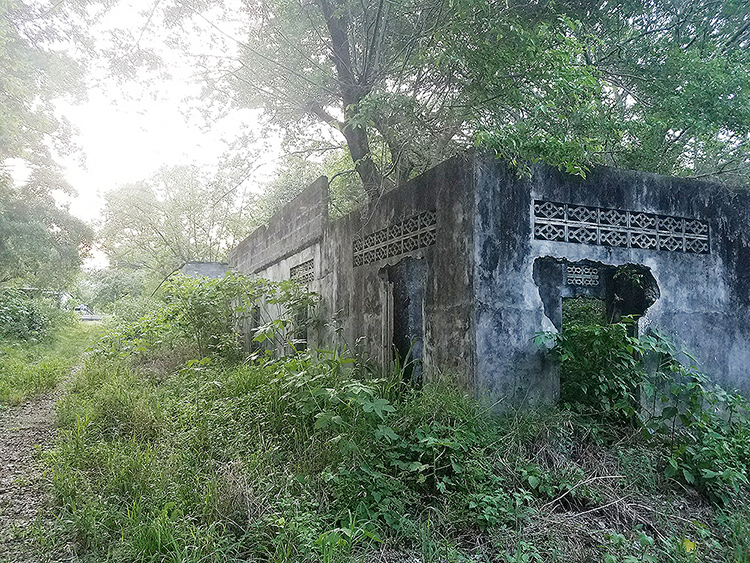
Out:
{"x": 297, "y": 225}
{"x": 490, "y": 282}
{"x": 507, "y": 306}
{"x": 359, "y": 296}
{"x": 703, "y": 298}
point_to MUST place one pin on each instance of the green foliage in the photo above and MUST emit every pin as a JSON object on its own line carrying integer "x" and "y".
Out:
{"x": 36, "y": 71}
{"x": 383, "y": 452}
{"x": 22, "y": 377}
{"x": 31, "y": 367}
{"x": 22, "y": 318}
{"x": 41, "y": 244}
{"x": 706, "y": 427}
{"x": 215, "y": 316}
{"x": 296, "y": 173}
{"x": 599, "y": 371}
{"x": 651, "y": 86}
{"x": 704, "y": 430}
{"x": 302, "y": 458}
{"x": 127, "y": 310}
{"x": 545, "y": 99}
{"x": 309, "y": 456}
{"x": 736, "y": 524}
{"x": 658, "y": 86}
{"x": 180, "y": 214}
{"x": 583, "y": 311}
{"x": 102, "y": 288}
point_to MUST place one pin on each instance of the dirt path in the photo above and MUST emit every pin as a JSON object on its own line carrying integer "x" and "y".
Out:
{"x": 25, "y": 431}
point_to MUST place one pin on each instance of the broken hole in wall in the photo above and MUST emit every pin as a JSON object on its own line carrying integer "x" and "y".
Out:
{"x": 588, "y": 292}
{"x": 631, "y": 290}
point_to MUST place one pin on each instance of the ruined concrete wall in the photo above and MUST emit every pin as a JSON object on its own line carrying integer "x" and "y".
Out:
{"x": 507, "y": 307}
{"x": 693, "y": 237}
{"x": 298, "y": 224}
{"x": 304, "y": 266}
{"x": 288, "y": 247}
{"x": 429, "y": 219}
{"x": 358, "y": 294}
{"x": 490, "y": 256}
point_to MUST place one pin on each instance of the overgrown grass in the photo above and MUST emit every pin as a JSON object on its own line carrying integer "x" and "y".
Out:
{"x": 315, "y": 457}
{"x": 311, "y": 459}
{"x": 28, "y": 368}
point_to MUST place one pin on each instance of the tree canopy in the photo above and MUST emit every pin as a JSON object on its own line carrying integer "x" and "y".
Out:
{"x": 672, "y": 90}
{"x": 662, "y": 86}
{"x": 40, "y": 242}
{"x": 180, "y": 214}
{"x": 659, "y": 86}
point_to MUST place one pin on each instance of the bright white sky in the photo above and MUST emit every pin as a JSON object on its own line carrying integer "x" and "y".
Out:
{"x": 126, "y": 136}
{"x": 125, "y": 141}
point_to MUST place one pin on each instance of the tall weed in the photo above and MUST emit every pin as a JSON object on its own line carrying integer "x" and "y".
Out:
{"x": 306, "y": 455}
{"x": 28, "y": 368}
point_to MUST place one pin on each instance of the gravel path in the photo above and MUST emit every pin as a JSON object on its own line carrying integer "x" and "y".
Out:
{"x": 25, "y": 500}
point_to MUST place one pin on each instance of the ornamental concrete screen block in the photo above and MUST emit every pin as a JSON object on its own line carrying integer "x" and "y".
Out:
{"x": 458, "y": 269}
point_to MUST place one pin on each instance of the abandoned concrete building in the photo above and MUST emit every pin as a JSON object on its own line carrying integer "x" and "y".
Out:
{"x": 462, "y": 266}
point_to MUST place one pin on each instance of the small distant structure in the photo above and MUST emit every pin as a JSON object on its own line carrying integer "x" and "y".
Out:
{"x": 86, "y": 313}
{"x": 211, "y": 270}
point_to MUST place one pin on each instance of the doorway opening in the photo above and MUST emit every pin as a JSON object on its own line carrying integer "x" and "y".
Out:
{"x": 403, "y": 330}
{"x": 587, "y": 292}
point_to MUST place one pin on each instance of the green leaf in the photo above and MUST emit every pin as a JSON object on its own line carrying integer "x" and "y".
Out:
{"x": 386, "y": 433}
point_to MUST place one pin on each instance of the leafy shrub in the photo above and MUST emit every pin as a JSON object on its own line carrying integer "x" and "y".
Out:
{"x": 307, "y": 455}
{"x": 21, "y": 318}
{"x": 704, "y": 429}
{"x": 213, "y": 314}
{"x": 600, "y": 370}
{"x": 129, "y": 309}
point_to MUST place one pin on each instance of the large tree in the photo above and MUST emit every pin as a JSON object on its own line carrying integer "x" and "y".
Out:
{"x": 355, "y": 68}
{"x": 180, "y": 214}
{"x": 658, "y": 85}
{"x": 40, "y": 242}
{"x": 669, "y": 91}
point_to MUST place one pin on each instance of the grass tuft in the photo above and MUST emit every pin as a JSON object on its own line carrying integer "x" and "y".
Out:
{"x": 30, "y": 368}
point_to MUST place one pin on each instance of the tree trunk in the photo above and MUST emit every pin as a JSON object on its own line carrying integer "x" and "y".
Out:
{"x": 352, "y": 93}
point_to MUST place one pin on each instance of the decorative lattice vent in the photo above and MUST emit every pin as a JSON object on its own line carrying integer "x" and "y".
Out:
{"x": 303, "y": 273}
{"x": 417, "y": 231}
{"x": 583, "y": 275}
{"x": 611, "y": 227}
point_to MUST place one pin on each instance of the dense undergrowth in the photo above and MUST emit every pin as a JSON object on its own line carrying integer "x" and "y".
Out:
{"x": 314, "y": 456}
{"x": 39, "y": 344}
